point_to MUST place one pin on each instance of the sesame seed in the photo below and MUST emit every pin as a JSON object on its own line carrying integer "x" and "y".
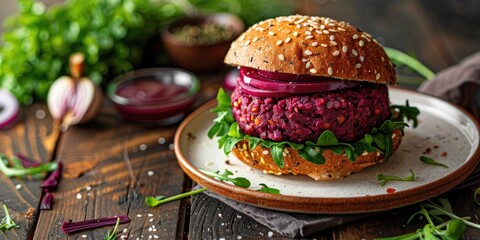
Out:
{"x": 324, "y": 45}
{"x": 358, "y": 65}
{"x": 322, "y": 27}
{"x": 377, "y": 76}
{"x": 314, "y": 44}
{"x": 326, "y": 31}
{"x": 241, "y": 38}
{"x": 355, "y": 53}
{"x": 271, "y": 33}
{"x": 308, "y": 32}
{"x": 362, "y": 58}
{"x": 279, "y": 42}
{"x": 333, "y": 43}
{"x": 332, "y": 30}
{"x": 360, "y": 43}
{"x": 308, "y": 65}
{"x": 281, "y": 57}
{"x": 330, "y": 71}
{"x": 344, "y": 49}
{"x": 295, "y": 34}
{"x": 383, "y": 59}
{"x": 341, "y": 29}
{"x": 247, "y": 42}
{"x": 318, "y": 31}
{"x": 312, "y": 70}
{"x": 255, "y": 39}
{"x": 355, "y": 36}
{"x": 336, "y": 53}
{"x": 304, "y": 60}
{"x": 332, "y": 37}
{"x": 287, "y": 40}
{"x": 308, "y": 52}
{"x": 308, "y": 37}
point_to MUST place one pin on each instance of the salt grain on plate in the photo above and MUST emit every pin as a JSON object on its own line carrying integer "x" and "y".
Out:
{"x": 84, "y": 236}
{"x": 79, "y": 196}
{"x": 142, "y": 147}
{"x": 171, "y": 146}
{"x": 150, "y": 215}
{"x": 270, "y": 233}
{"x": 162, "y": 140}
{"x": 18, "y": 186}
{"x": 139, "y": 215}
{"x": 40, "y": 114}
{"x": 150, "y": 173}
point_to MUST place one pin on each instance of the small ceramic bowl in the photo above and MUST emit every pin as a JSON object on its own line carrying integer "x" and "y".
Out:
{"x": 200, "y": 57}
{"x": 154, "y": 95}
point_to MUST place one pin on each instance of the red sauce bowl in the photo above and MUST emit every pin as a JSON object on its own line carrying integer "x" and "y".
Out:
{"x": 154, "y": 95}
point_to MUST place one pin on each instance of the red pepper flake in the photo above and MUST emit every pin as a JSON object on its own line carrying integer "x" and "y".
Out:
{"x": 435, "y": 146}
{"x": 427, "y": 151}
{"x": 391, "y": 190}
{"x": 443, "y": 154}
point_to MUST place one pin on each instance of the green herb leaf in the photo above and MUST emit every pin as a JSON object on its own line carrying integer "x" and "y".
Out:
{"x": 455, "y": 229}
{"x": 312, "y": 154}
{"x": 405, "y": 112}
{"x": 238, "y": 181}
{"x": 399, "y": 57}
{"x": 112, "y": 235}
{"x": 327, "y": 138}
{"x": 155, "y": 201}
{"x": 277, "y": 155}
{"x": 432, "y": 161}
{"x": 7, "y": 222}
{"x": 267, "y": 189}
{"x": 11, "y": 172}
{"x": 385, "y": 178}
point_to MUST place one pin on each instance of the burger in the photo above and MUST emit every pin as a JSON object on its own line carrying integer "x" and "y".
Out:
{"x": 312, "y": 99}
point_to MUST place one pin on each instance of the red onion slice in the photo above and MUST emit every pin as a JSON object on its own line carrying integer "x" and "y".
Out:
{"x": 9, "y": 109}
{"x": 230, "y": 80}
{"x": 260, "y": 92}
{"x": 254, "y": 83}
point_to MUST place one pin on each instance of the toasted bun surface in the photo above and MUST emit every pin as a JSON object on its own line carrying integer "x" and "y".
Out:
{"x": 336, "y": 166}
{"x": 315, "y": 46}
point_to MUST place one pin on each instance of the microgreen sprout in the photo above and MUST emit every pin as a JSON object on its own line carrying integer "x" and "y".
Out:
{"x": 267, "y": 189}
{"x": 238, "y": 181}
{"x": 11, "y": 172}
{"x": 450, "y": 229}
{"x": 7, "y": 222}
{"x": 111, "y": 235}
{"x": 432, "y": 161}
{"x": 158, "y": 200}
{"x": 385, "y": 178}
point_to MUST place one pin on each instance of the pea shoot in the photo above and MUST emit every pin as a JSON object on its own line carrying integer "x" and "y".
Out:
{"x": 17, "y": 171}
{"x": 385, "y": 178}
{"x": 7, "y": 222}
{"x": 432, "y": 161}
{"x": 113, "y": 234}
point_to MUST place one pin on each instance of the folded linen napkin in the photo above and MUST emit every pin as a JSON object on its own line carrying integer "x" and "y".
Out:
{"x": 448, "y": 84}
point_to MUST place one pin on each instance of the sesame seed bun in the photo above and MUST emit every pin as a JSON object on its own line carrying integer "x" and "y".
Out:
{"x": 314, "y": 46}
{"x": 337, "y": 166}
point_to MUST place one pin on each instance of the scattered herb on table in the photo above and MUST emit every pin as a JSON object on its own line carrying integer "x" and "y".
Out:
{"x": 267, "y": 189}
{"x": 451, "y": 229}
{"x": 432, "y": 161}
{"x": 70, "y": 227}
{"x": 7, "y": 222}
{"x": 158, "y": 200}
{"x": 238, "y": 181}
{"x": 205, "y": 34}
{"x": 385, "y": 178}
{"x": 111, "y": 235}
{"x": 11, "y": 172}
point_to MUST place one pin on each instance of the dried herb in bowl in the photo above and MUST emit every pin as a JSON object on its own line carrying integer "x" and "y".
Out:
{"x": 207, "y": 33}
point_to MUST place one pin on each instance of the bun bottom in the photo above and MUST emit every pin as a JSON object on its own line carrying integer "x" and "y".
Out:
{"x": 337, "y": 166}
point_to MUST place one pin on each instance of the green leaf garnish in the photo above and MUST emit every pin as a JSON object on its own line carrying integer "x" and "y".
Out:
{"x": 158, "y": 200}
{"x": 385, "y": 178}
{"x": 238, "y": 181}
{"x": 432, "y": 161}
{"x": 11, "y": 172}
{"x": 446, "y": 229}
{"x": 267, "y": 189}
{"x": 113, "y": 234}
{"x": 379, "y": 140}
{"x": 399, "y": 57}
{"x": 405, "y": 112}
{"x": 7, "y": 222}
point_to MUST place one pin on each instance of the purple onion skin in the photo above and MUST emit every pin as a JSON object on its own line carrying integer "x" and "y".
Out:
{"x": 72, "y": 227}
{"x": 26, "y": 161}
{"x": 47, "y": 201}
{"x": 52, "y": 181}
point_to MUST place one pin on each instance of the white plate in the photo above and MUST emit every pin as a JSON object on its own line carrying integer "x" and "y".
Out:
{"x": 443, "y": 128}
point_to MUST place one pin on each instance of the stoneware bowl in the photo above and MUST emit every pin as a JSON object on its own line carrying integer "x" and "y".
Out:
{"x": 201, "y": 58}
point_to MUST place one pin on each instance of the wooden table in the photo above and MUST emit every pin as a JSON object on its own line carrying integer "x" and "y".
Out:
{"x": 111, "y": 165}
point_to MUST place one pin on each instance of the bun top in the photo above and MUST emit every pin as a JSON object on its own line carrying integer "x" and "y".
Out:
{"x": 315, "y": 46}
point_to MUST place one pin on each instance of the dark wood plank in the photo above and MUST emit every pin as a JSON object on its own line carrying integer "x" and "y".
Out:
{"x": 34, "y": 135}
{"x": 98, "y": 156}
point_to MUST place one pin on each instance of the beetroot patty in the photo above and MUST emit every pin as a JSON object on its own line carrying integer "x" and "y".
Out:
{"x": 349, "y": 113}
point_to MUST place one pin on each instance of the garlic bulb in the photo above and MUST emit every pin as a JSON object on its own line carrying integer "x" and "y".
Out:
{"x": 74, "y": 99}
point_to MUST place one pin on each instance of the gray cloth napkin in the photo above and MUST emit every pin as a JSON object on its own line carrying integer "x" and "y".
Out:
{"x": 446, "y": 85}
